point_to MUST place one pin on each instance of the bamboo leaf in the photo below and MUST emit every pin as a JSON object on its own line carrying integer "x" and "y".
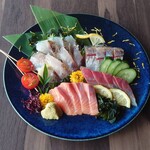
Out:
{"x": 51, "y": 21}
{"x": 12, "y": 38}
{"x": 23, "y": 41}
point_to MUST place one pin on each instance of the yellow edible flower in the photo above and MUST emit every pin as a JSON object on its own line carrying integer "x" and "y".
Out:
{"x": 76, "y": 76}
{"x": 45, "y": 98}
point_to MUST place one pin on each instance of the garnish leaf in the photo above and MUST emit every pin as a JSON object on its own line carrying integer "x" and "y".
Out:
{"x": 39, "y": 89}
{"x": 41, "y": 80}
{"x": 24, "y": 42}
{"x": 54, "y": 22}
{"x": 45, "y": 73}
{"x": 12, "y": 38}
{"x": 47, "y": 80}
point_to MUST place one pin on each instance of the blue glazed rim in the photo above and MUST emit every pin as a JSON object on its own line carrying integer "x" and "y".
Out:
{"x": 85, "y": 139}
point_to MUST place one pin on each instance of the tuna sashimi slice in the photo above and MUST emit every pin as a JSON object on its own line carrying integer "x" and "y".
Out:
{"x": 62, "y": 100}
{"x": 85, "y": 107}
{"x": 76, "y": 98}
{"x": 73, "y": 96}
{"x": 94, "y": 78}
{"x": 90, "y": 91}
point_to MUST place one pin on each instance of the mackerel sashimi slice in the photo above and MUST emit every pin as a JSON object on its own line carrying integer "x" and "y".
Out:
{"x": 109, "y": 81}
{"x": 95, "y": 55}
{"x": 76, "y": 98}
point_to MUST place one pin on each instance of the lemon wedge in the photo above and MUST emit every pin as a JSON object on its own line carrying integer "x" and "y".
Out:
{"x": 121, "y": 97}
{"x": 103, "y": 91}
{"x": 95, "y": 39}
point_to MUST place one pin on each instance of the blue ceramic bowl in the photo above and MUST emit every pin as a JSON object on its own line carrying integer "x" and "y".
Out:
{"x": 81, "y": 128}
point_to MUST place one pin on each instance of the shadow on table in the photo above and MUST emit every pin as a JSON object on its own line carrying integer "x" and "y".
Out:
{"x": 86, "y": 145}
{"x": 146, "y": 110}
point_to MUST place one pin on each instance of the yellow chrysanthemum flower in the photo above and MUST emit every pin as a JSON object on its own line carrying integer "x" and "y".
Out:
{"x": 76, "y": 76}
{"x": 45, "y": 98}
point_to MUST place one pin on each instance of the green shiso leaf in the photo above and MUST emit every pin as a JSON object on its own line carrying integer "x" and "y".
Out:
{"x": 51, "y": 21}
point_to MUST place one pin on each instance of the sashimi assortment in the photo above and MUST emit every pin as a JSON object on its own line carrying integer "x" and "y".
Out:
{"x": 76, "y": 79}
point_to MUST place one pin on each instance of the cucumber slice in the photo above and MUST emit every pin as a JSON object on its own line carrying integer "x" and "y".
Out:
{"x": 113, "y": 66}
{"x": 127, "y": 74}
{"x": 121, "y": 66}
{"x": 105, "y": 64}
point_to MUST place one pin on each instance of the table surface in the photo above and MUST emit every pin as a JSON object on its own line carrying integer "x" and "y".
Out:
{"x": 15, "y": 17}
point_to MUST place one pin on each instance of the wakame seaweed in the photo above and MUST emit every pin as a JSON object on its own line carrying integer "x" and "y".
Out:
{"x": 109, "y": 110}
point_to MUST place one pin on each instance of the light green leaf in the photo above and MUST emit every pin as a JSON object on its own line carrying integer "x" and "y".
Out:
{"x": 51, "y": 21}
{"x": 12, "y": 38}
{"x": 45, "y": 73}
{"x": 21, "y": 42}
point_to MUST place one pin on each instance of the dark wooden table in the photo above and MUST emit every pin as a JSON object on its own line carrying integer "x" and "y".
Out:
{"x": 15, "y": 17}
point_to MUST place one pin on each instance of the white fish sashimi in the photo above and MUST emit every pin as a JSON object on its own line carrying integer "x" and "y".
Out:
{"x": 59, "y": 67}
{"x": 61, "y": 53}
{"x": 43, "y": 46}
{"x": 57, "y": 40}
{"x": 73, "y": 49}
{"x": 77, "y": 55}
{"x": 67, "y": 59}
{"x": 38, "y": 60}
{"x": 53, "y": 52}
{"x": 46, "y": 47}
{"x": 70, "y": 40}
{"x": 53, "y": 76}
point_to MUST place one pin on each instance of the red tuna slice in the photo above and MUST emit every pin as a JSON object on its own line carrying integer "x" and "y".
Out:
{"x": 62, "y": 100}
{"x": 94, "y": 78}
{"x": 88, "y": 75}
{"x": 73, "y": 96}
{"x": 85, "y": 107}
{"x": 103, "y": 78}
{"x": 90, "y": 91}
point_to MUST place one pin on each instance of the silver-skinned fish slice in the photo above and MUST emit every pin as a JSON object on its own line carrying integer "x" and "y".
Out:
{"x": 95, "y": 55}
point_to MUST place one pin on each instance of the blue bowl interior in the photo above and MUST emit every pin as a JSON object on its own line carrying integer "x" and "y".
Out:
{"x": 83, "y": 127}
